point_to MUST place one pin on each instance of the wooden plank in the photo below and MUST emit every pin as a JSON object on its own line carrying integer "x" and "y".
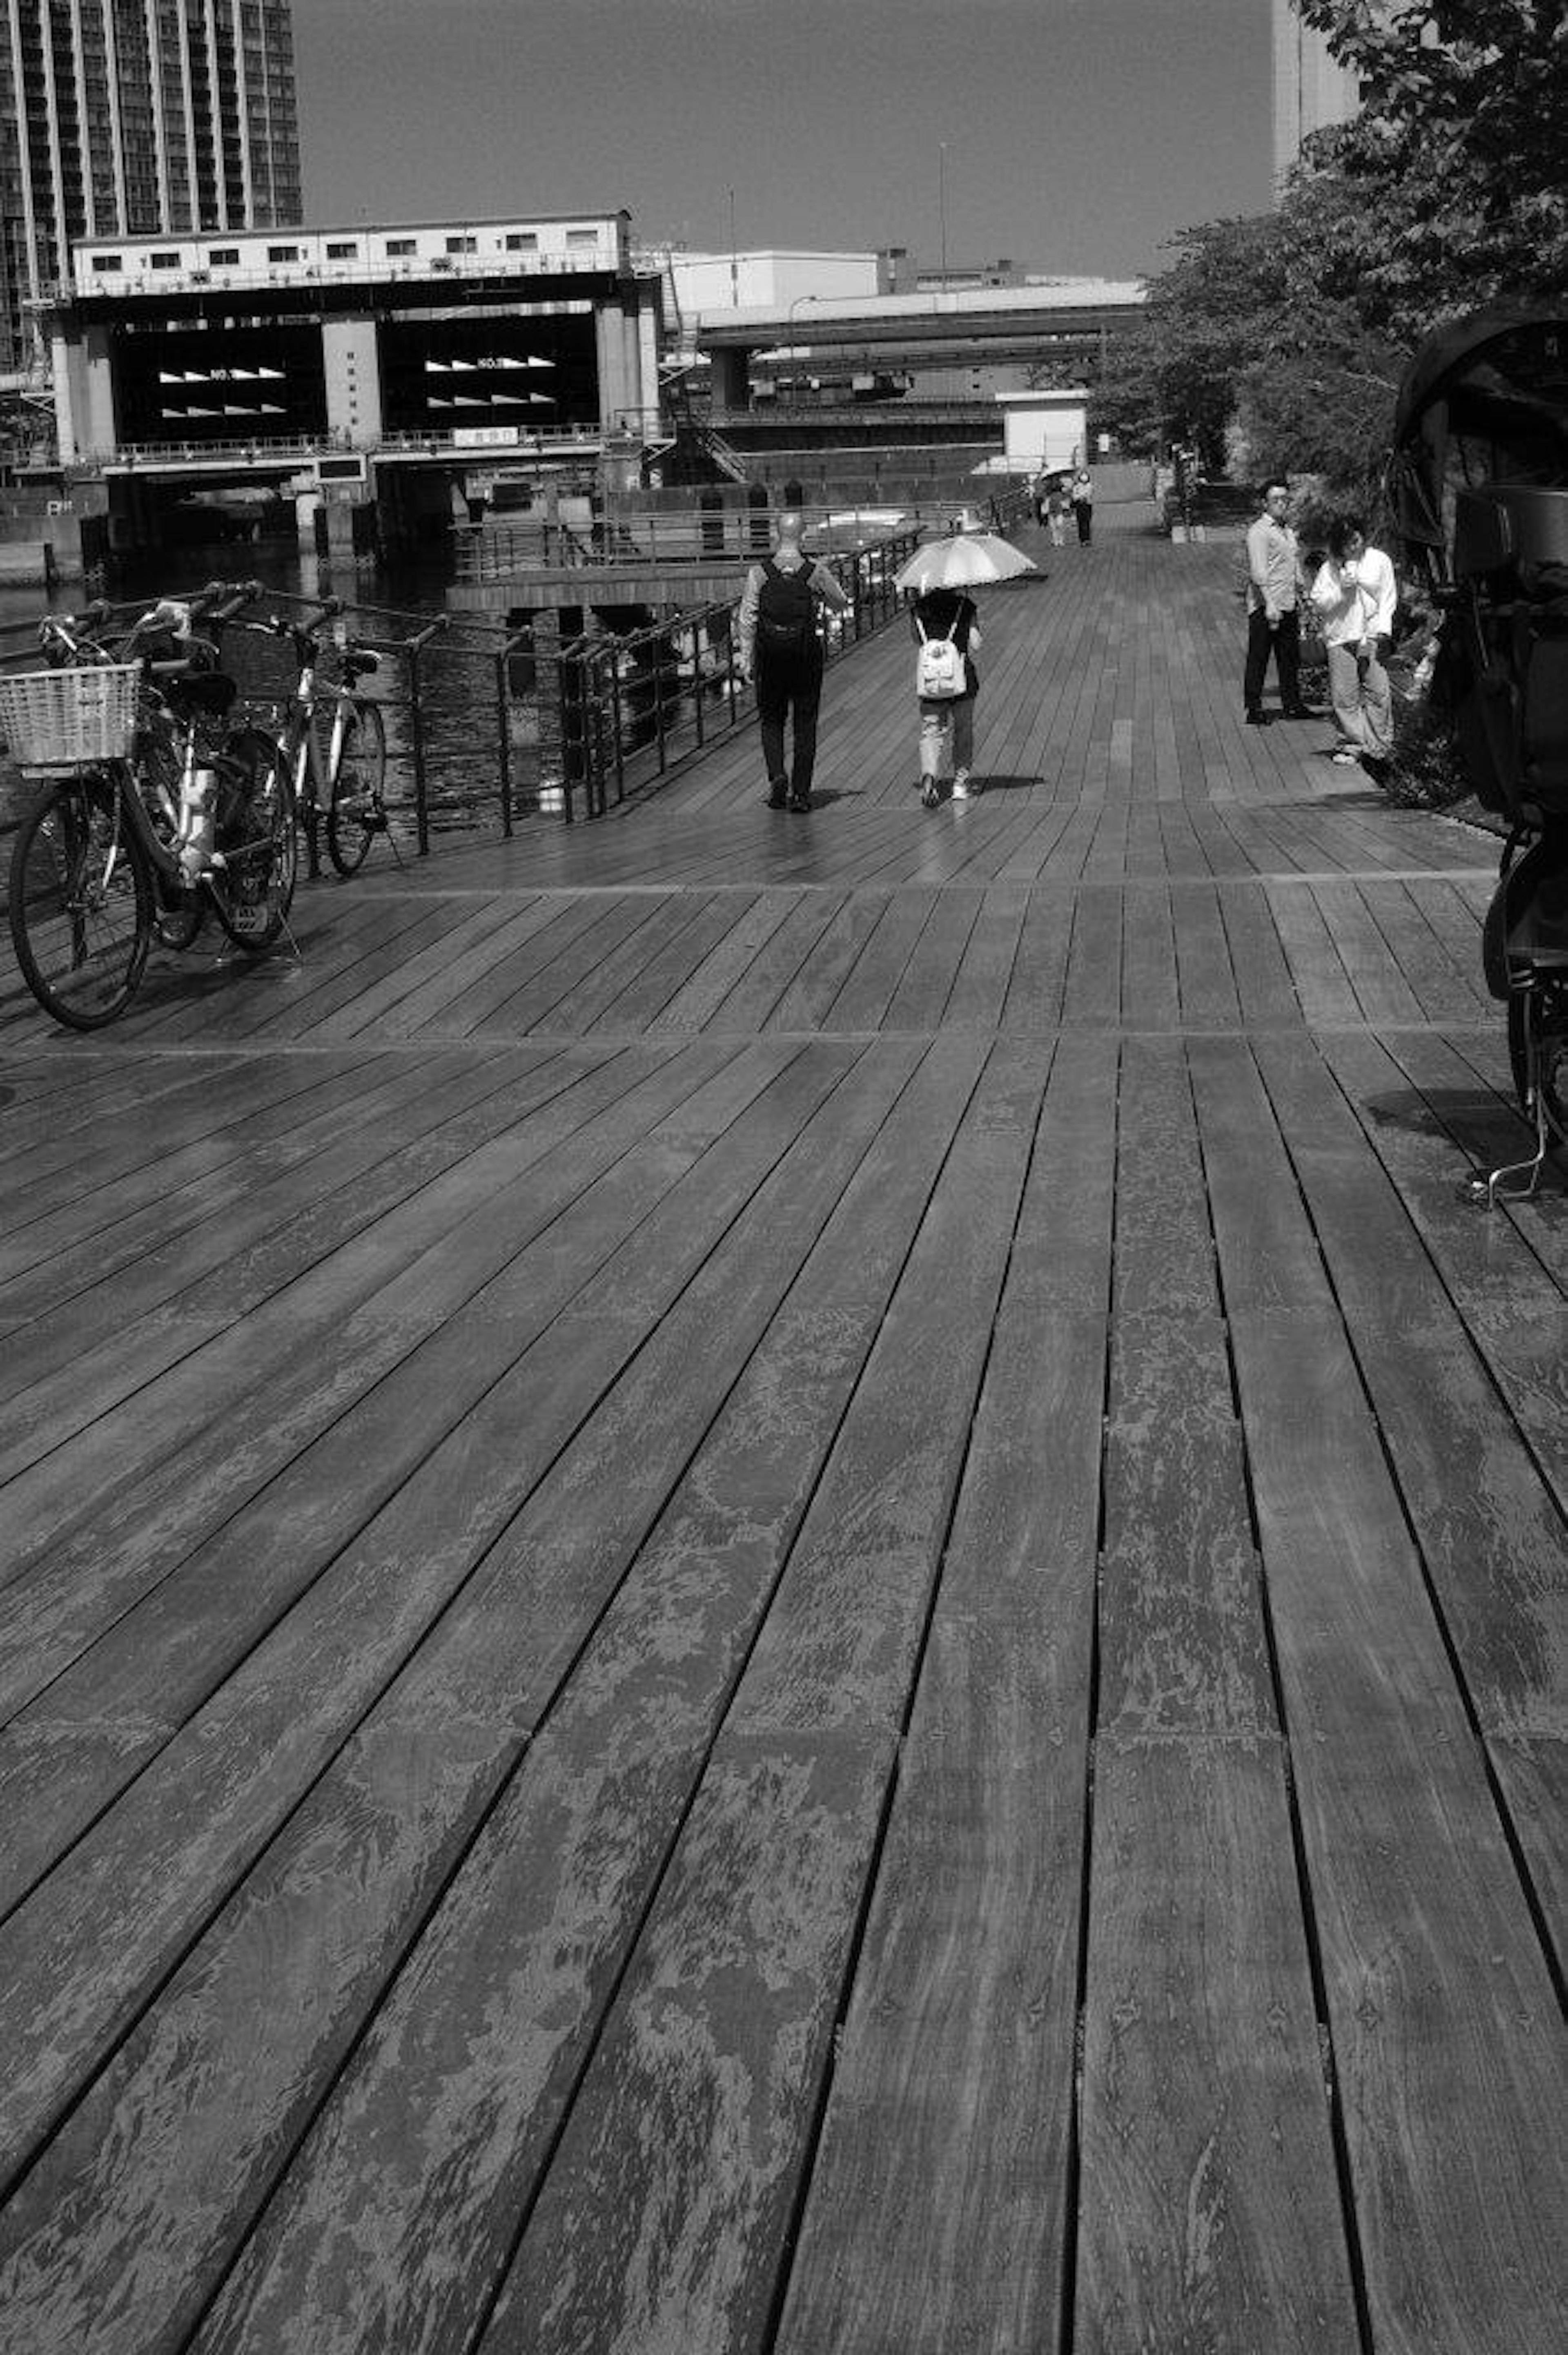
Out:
{"x": 1438, "y": 1990}
{"x": 701, "y": 1000}
{"x": 665, "y": 977}
{"x": 1265, "y": 992}
{"x": 784, "y": 955}
{"x": 803, "y": 1006}
{"x": 1316, "y": 969}
{"x": 1203, "y": 960}
{"x": 920, "y": 1000}
{"x": 872, "y": 982}
{"x": 496, "y": 2006}
{"x": 731, "y": 2029}
{"x": 1034, "y": 992}
{"x": 75, "y": 1957}
{"x": 1182, "y": 1645}
{"x": 426, "y": 1202}
{"x": 1209, "y": 2214}
{"x": 1382, "y": 993}
{"x": 1164, "y": 1259}
{"x": 65, "y": 1755}
{"x": 979, "y": 987}
{"x": 1148, "y": 993}
{"x": 939, "y": 2204}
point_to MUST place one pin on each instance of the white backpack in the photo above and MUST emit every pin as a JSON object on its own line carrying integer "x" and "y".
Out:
{"x": 938, "y": 665}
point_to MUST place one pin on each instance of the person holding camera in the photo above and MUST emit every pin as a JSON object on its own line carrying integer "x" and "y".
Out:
{"x": 1354, "y": 593}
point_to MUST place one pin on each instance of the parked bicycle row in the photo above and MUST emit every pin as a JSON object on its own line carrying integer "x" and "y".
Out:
{"x": 166, "y": 803}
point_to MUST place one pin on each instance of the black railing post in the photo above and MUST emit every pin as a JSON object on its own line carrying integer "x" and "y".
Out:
{"x": 503, "y": 742}
{"x": 415, "y": 647}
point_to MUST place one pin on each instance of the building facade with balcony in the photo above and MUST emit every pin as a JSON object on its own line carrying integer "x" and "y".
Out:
{"x": 136, "y": 118}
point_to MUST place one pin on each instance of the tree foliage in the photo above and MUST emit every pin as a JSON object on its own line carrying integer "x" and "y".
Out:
{"x": 1458, "y": 154}
{"x": 1448, "y": 191}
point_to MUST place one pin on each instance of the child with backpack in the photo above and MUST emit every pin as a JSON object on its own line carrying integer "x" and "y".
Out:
{"x": 779, "y": 643}
{"x": 946, "y": 624}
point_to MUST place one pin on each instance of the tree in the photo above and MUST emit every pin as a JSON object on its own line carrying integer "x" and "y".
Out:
{"x": 1456, "y": 155}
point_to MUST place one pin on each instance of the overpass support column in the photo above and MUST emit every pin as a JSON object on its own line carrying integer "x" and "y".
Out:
{"x": 626, "y": 399}
{"x": 83, "y": 375}
{"x": 731, "y": 373}
{"x": 352, "y": 360}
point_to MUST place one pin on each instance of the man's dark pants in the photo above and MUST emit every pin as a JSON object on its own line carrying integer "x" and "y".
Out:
{"x": 1284, "y": 638}
{"x": 789, "y": 686}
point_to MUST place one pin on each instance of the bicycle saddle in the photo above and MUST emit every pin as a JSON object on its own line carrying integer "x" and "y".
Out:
{"x": 358, "y": 666}
{"x": 208, "y": 692}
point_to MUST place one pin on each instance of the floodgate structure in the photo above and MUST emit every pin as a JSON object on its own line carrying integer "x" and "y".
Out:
{"x": 794, "y": 1585}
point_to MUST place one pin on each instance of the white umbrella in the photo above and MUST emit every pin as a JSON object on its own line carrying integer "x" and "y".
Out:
{"x": 967, "y": 561}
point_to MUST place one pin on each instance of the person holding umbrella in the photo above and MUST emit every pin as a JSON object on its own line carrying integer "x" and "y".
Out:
{"x": 937, "y": 577}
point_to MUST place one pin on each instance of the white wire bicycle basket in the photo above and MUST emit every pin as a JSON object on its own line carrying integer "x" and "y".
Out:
{"x": 68, "y": 718}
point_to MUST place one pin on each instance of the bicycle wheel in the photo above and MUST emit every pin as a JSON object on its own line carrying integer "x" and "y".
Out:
{"x": 357, "y": 813}
{"x": 81, "y": 903}
{"x": 254, "y": 889}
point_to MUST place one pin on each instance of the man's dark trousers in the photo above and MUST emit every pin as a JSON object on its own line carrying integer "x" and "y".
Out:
{"x": 1284, "y": 638}
{"x": 789, "y": 686}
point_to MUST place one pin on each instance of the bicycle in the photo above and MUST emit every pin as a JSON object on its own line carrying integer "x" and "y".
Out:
{"x": 148, "y": 822}
{"x": 338, "y": 769}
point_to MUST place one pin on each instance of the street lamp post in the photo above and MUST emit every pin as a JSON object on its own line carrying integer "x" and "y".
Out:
{"x": 942, "y": 206}
{"x": 795, "y": 303}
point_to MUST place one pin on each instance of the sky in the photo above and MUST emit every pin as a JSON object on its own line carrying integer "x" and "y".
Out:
{"x": 1078, "y": 134}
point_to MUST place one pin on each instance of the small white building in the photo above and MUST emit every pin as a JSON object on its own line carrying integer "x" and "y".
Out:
{"x": 707, "y": 283}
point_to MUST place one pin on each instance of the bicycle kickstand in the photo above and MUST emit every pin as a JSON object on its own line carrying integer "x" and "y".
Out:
{"x": 1485, "y": 1188}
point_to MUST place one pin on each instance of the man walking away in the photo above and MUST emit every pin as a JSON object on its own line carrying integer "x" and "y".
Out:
{"x": 1273, "y": 623}
{"x": 780, "y": 646}
{"x": 1084, "y": 505}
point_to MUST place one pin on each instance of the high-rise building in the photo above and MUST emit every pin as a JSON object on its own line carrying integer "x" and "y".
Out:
{"x": 126, "y": 118}
{"x": 1311, "y": 90}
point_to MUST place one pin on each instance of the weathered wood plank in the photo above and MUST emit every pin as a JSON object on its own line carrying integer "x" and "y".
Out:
{"x": 1438, "y": 1990}
{"x": 493, "y": 2012}
{"x": 731, "y": 2031}
{"x": 1209, "y": 2211}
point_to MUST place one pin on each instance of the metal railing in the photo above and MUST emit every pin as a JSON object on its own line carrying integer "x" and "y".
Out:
{"x": 503, "y": 547}
{"x": 487, "y": 722}
{"x": 263, "y": 450}
{"x": 631, "y": 706}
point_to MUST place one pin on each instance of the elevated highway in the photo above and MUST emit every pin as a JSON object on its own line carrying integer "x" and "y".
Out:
{"x": 1012, "y": 327}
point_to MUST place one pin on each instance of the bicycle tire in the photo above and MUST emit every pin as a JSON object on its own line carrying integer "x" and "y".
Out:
{"x": 81, "y": 903}
{"x": 254, "y": 889}
{"x": 356, "y": 813}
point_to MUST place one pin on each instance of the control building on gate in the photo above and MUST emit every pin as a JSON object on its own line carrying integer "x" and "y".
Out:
{"x": 132, "y": 118}
{"x": 389, "y": 367}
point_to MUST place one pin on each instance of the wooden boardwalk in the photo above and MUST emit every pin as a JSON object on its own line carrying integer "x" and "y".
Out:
{"x": 795, "y": 1585}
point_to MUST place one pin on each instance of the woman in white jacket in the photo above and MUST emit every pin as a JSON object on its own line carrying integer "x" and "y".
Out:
{"x": 1354, "y": 594}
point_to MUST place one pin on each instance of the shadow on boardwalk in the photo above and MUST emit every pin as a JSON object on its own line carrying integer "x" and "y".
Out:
{"x": 795, "y": 1582}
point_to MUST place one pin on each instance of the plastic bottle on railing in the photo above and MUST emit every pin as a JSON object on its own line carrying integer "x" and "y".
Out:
{"x": 198, "y": 800}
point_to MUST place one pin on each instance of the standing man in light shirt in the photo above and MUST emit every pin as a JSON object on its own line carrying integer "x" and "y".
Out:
{"x": 1273, "y": 585}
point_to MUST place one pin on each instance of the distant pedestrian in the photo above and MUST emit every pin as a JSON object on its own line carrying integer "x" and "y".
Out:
{"x": 779, "y": 643}
{"x": 1057, "y": 508}
{"x": 1272, "y": 622}
{"x": 1083, "y": 497}
{"x": 947, "y": 722}
{"x": 1355, "y": 593}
